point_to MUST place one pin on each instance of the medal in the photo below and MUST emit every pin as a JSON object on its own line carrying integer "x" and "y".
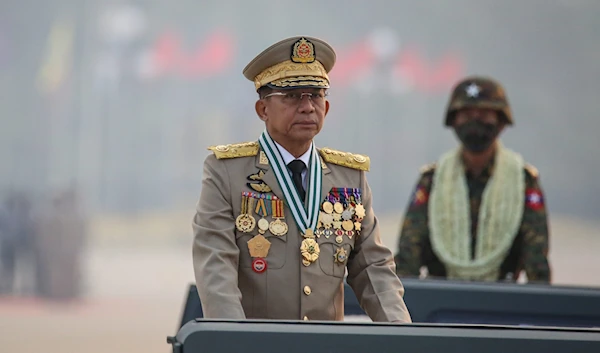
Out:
{"x": 245, "y": 222}
{"x": 259, "y": 246}
{"x": 347, "y": 214}
{"x": 263, "y": 225}
{"x": 308, "y": 233}
{"x": 259, "y": 265}
{"x": 350, "y": 234}
{"x": 261, "y": 209}
{"x": 327, "y": 207}
{"x": 305, "y": 215}
{"x": 327, "y": 220}
{"x": 347, "y": 225}
{"x": 337, "y": 225}
{"x": 340, "y": 256}
{"x": 277, "y": 227}
{"x": 338, "y": 207}
{"x": 327, "y": 233}
{"x": 309, "y": 250}
{"x": 339, "y": 236}
{"x": 360, "y": 211}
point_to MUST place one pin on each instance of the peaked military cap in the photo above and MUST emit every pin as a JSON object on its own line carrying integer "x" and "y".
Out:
{"x": 292, "y": 63}
{"x": 478, "y": 92}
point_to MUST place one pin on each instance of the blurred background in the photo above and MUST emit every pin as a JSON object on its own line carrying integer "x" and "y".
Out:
{"x": 107, "y": 107}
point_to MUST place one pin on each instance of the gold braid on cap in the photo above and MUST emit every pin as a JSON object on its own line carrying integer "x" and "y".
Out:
{"x": 289, "y": 69}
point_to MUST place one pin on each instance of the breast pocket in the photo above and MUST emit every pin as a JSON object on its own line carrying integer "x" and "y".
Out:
{"x": 276, "y": 257}
{"x": 334, "y": 255}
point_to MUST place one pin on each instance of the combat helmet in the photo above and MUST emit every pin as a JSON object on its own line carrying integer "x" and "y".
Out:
{"x": 479, "y": 92}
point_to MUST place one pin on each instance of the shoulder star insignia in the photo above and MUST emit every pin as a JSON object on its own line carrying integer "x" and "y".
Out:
{"x": 244, "y": 149}
{"x": 350, "y": 160}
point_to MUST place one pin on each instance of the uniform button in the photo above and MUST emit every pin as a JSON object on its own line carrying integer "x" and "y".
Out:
{"x": 307, "y": 290}
{"x": 306, "y": 318}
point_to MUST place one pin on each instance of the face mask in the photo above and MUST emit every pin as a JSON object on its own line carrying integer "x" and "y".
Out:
{"x": 477, "y": 136}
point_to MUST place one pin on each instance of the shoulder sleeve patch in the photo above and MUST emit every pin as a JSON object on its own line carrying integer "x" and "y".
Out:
{"x": 345, "y": 159}
{"x": 532, "y": 170}
{"x": 236, "y": 150}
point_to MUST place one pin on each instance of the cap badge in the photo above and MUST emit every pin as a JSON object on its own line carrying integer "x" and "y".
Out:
{"x": 303, "y": 51}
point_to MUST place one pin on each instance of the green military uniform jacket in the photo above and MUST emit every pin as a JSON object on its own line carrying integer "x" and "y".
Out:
{"x": 529, "y": 251}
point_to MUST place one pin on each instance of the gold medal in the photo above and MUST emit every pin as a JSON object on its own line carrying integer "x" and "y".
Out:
{"x": 263, "y": 225}
{"x": 337, "y": 216}
{"x": 308, "y": 233}
{"x": 360, "y": 210}
{"x": 245, "y": 222}
{"x": 340, "y": 256}
{"x": 261, "y": 209}
{"x": 339, "y": 239}
{"x": 259, "y": 246}
{"x": 327, "y": 207}
{"x": 278, "y": 227}
{"x": 338, "y": 207}
{"x": 347, "y": 225}
{"x": 337, "y": 225}
{"x": 357, "y": 226}
{"x": 310, "y": 250}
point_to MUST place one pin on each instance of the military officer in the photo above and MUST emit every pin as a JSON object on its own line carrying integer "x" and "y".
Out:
{"x": 279, "y": 221}
{"x": 479, "y": 212}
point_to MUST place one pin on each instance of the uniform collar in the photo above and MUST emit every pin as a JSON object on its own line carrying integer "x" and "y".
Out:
{"x": 288, "y": 157}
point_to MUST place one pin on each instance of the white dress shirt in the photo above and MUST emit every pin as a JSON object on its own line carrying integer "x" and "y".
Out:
{"x": 288, "y": 157}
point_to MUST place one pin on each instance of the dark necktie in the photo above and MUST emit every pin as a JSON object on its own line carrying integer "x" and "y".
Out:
{"x": 297, "y": 166}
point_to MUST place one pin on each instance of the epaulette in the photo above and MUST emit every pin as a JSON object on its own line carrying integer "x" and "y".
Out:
{"x": 350, "y": 160}
{"x": 244, "y": 149}
{"x": 531, "y": 170}
{"x": 427, "y": 168}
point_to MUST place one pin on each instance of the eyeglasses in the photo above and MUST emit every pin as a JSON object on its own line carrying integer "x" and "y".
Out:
{"x": 294, "y": 98}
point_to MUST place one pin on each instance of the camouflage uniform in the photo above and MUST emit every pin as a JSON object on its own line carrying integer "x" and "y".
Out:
{"x": 530, "y": 248}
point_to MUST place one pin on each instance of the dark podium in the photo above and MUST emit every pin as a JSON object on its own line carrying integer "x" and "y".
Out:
{"x": 431, "y": 301}
{"x": 201, "y": 336}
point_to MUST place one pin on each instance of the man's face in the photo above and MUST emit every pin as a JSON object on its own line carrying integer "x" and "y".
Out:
{"x": 477, "y": 128}
{"x": 291, "y": 115}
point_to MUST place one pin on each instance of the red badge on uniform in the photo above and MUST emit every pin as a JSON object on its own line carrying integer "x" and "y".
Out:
{"x": 259, "y": 265}
{"x": 534, "y": 199}
{"x": 420, "y": 196}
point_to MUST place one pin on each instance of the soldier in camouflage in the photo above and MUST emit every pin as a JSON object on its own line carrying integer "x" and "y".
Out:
{"x": 478, "y": 213}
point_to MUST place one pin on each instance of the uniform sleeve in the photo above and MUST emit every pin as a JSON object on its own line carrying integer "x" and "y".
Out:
{"x": 534, "y": 229}
{"x": 371, "y": 270}
{"x": 414, "y": 233}
{"x": 215, "y": 251}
